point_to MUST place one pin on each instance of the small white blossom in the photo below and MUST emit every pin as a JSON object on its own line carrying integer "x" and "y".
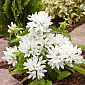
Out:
{"x": 35, "y": 67}
{"x": 56, "y": 59}
{"x": 12, "y": 27}
{"x": 11, "y": 58}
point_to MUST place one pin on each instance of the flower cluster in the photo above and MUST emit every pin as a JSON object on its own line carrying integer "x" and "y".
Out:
{"x": 41, "y": 22}
{"x": 34, "y": 65}
{"x": 9, "y": 56}
{"x": 41, "y": 48}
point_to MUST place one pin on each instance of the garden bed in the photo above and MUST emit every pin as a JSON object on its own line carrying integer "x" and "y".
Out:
{"x": 73, "y": 79}
{"x": 69, "y": 28}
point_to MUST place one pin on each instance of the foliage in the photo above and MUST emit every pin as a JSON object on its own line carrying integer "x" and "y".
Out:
{"x": 4, "y": 21}
{"x": 83, "y": 47}
{"x": 63, "y": 25}
{"x": 17, "y": 11}
{"x": 71, "y": 10}
{"x": 41, "y": 53}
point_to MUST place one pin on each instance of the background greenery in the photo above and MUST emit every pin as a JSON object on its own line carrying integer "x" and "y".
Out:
{"x": 71, "y": 11}
{"x": 17, "y": 11}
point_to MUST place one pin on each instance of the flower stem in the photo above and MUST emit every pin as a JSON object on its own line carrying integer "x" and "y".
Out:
{"x": 36, "y": 80}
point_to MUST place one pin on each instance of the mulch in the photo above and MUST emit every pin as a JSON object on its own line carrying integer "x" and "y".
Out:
{"x": 73, "y": 79}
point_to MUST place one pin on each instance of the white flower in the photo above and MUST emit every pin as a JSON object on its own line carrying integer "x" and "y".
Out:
{"x": 59, "y": 39}
{"x": 12, "y": 27}
{"x": 35, "y": 67}
{"x": 11, "y": 58}
{"x": 29, "y": 45}
{"x": 41, "y": 17}
{"x": 41, "y": 21}
{"x": 55, "y": 59}
{"x": 63, "y": 53}
{"x": 71, "y": 53}
{"x": 56, "y": 47}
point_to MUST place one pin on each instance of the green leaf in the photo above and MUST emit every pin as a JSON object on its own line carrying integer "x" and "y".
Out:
{"x": 24, "y": 33}
{"x": 51, "y": 72}
{"x": 83, "y": 61}
{"x": 17, "y": 71}
{"x": 21, "y": 56}
{"x": 33, "y": 82}
{"x": 15, "y": 40}
{"x": 68, "y": 35}
{"x": 70, "y": 68}
{"x": 62, "y": 75}
{"x": 57, "y": 70}
{"x": 48, "y": 82}
{"x": 25, "y": 2}
{"x": 19, "y": 65}
{"x": 20, "y": 29}
{"x": 16, "y": 53}
{"x": 63, "y": 25}
{"x": 79, "y": 68}
{"x": 24, "y": 79}
{"x": 83, "y": 64}
{"x": 21, "y": 60}
{"x": 55, "y": 30}
{"x": 82, "y": 47}
{"x": 41, "y": 82}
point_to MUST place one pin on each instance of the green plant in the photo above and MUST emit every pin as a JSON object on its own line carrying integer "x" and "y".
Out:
{"x": 71, "y": 10}
{"x": 42, "y": 54}
{"x": 63, "y": 25}
{"x": 4, "y": 21}
{"x": 18, "y": 10}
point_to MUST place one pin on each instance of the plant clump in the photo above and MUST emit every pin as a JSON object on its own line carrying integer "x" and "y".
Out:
{"x": 18, "y": 10}
{"x": 39, "y": 52}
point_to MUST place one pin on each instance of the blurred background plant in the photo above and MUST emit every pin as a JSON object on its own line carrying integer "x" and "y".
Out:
{"x": 71, "y": 11}
{"x": 17, "y": 12}
{"x": 4, "y": 21}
